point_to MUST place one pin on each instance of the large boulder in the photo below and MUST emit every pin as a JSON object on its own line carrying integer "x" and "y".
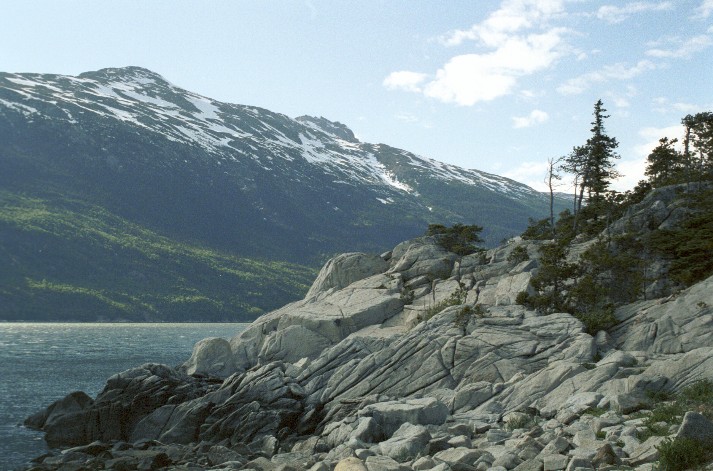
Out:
{"x": 211, "y": 357}
{"x": 697, "y": 427}
{"x": 661, "y": 208}
{"x": 72, "y": 403}
{"x": 254, "y": 406}
{"x": 390, "y": 415}
{"x": 422, "y": 257}
{"x": 345, "y": 269}
{"x": 408, "y": 442}
{"x": 304, "y": 329}
{"x": 127, "y": 398}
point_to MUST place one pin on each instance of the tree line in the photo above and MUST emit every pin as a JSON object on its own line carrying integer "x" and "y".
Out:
{"x": 612, "y": 271}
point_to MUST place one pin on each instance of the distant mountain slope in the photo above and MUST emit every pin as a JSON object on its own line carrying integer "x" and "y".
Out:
{"x": 65, "y": 260}
{"x": 237, "y": 179}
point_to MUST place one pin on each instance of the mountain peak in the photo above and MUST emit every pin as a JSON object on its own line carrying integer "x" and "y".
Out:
{"x": 335, "y": 128}
{"x": 125, "y": 74}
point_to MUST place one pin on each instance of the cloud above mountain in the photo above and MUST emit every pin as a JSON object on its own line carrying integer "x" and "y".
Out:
{"x": 513, "y": 41}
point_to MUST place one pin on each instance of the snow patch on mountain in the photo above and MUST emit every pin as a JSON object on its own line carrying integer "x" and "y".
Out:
{"x": 144, "y": 99}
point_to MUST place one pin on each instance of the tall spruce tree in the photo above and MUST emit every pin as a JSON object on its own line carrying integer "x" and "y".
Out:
{"x": 601, "y": 157}
{"x": 665, "y": 163}
{"x": 593, "y": 165}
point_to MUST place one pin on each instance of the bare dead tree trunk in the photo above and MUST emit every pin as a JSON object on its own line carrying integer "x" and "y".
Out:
{"x": 552, "y": 175}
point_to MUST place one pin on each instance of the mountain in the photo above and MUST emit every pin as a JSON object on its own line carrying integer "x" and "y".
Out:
{"x": 124, "y": 146}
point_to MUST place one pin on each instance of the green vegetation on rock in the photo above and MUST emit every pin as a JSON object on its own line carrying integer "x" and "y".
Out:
{"x": 460, "y": 239}
{"x": 613, "y": 269}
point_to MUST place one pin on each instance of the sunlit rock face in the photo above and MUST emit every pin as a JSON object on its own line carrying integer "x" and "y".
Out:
{"x": 415, "y": 359}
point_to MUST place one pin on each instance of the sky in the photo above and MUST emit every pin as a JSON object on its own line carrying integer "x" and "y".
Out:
{"x": 493, "y": 85}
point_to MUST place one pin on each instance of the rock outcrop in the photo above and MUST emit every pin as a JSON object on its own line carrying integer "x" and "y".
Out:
{"x": 386, "y": 364}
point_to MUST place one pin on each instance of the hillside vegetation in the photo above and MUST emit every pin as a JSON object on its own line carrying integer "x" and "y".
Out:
{"x": 126, "y": 197}
{"x": 66, "y": 260}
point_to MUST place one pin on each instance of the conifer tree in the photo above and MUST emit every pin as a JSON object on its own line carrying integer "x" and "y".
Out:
{"x": 601, "y": 157}
{"x": 698, "y": 143}
{"x": 665, "y": 163}
{"x": 593, "y": 163}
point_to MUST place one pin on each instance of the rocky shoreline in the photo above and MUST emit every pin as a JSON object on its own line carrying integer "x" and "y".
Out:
{"x": 415, "y": 359}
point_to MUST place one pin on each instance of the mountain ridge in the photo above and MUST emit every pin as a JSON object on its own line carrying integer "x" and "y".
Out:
{"x": 238, "y": 179}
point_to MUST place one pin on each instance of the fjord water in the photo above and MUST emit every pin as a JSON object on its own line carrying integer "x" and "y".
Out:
{"x": 40, "y": 363}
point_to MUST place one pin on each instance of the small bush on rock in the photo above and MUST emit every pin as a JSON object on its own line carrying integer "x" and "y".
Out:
{"x": 698, "y": 396}
{"x": 464, "y": 316}
{"x": 518, "y": 255}
{"x": 456, "y": 298}
{"x": 520, "y": 421}
{"x": 459, "y": 239}
{"x": 681, "y": 454}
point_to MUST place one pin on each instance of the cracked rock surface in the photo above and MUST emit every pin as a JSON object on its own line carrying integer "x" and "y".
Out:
{"x": 363, "y": 374}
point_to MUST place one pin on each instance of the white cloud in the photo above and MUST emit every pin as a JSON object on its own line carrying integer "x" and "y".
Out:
{"x": 632, "y": 172}
{"x": 665, "y": 106}
{"x": 616, "y": 14}
{"x": 404, "y": 80}
{"x": 535, "y": 117}
{"x": 633, "y": 169}
{"x": 531, "y": 174}
{"x": 621, "y": 102}
{"x": 619, "y": 71}
{"x": 682, "y": 48}
{"x": 650, "y": 138}
{"x": 512, "y": 16}
{"x": 704, "y": 10}
{"x": 510, "y": 52}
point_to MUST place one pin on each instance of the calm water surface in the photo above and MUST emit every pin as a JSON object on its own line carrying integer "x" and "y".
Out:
{"x": 40, "y": 363}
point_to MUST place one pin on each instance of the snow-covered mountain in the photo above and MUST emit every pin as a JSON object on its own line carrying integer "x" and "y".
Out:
{"x": 234, "y": 176}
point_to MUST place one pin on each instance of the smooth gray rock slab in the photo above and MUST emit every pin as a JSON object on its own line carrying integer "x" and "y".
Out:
{"x": 472, "y": 395}
{"x": 555, "y": 462}
{"x": 557, "y": 446}
{"x": 534, "y": 464}
{"x": 577, "y": 463}
{"x": 391, "y": 414}
{"x": 697, "y": 427}
{"x": 455, "y": 456}
{"x": 350, "y": 464}
{"x": 420, "y": 257}
{"x": 73, "y": 402}
{"x": 677, "y": 326}
{"x": 293, "y": 343}
{"x": 408, "y": 442}
{"x": 345, "y": 269}
{"x": 423, "y": 463}
{"x": 211, "y": 357}
{"x": 647, "y": 452}
{"x": 626, "y": 403}
{"x": 508, "y": 460}
{"x": 384, "y": 463}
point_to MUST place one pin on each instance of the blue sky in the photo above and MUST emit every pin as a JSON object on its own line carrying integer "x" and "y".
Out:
{"x": 498, "y": 86}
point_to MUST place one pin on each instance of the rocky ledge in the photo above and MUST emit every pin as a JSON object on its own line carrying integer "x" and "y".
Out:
{"x": 412, "y": 360}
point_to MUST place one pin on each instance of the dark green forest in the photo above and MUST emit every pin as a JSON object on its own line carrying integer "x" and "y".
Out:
{"x": 72, "y": 261}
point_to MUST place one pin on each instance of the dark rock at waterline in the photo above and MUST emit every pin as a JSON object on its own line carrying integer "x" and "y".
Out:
{"x": 127, "y": 398}
{"x": 72, "y": 403}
